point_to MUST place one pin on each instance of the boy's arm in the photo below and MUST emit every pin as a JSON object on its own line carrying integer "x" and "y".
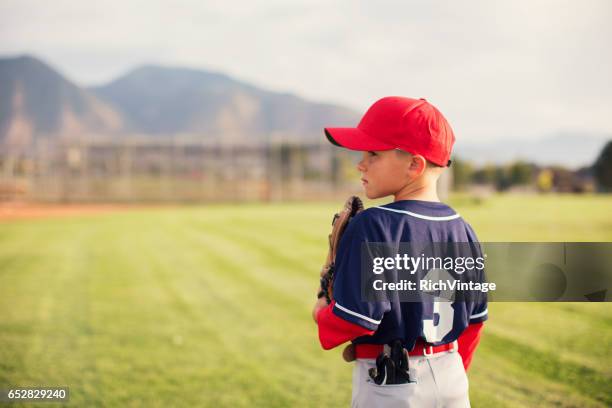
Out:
{"x": 348, "y": 316}
{"x": 334, "y": 330}
{"x": 468, "y": 341}
{"x": 470, "y": 338}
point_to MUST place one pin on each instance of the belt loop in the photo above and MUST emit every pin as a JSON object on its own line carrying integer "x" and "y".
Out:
{"x": 425, "y": 353}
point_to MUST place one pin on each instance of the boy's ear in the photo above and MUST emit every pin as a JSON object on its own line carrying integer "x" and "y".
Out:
{"x": 418, "y": 163}
{"x": 415, "y": 162}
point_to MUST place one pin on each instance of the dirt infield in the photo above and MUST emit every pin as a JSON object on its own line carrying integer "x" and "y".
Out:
{"x": 20, "y": 211}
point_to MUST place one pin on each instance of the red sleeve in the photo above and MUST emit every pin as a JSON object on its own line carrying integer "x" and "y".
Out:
{"x": 334, "y": 330}
{"x": 468, "y": 341}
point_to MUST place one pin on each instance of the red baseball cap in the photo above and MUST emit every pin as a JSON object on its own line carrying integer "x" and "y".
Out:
{"x": 395, "y": 122}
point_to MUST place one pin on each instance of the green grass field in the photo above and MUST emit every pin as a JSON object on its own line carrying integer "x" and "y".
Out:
{"x": 210, "y": 306}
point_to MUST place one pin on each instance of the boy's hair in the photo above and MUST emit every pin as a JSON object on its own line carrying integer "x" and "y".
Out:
{"x": 430, "y": 165}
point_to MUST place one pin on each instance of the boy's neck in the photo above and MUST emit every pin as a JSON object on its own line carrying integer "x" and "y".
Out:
{"x": 422, "y": 192}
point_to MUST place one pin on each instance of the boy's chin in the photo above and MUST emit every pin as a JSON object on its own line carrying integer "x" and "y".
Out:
{"x": 372, "y": 195}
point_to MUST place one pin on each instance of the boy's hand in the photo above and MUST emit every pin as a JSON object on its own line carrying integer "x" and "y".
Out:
{"x": 321, "y": 304}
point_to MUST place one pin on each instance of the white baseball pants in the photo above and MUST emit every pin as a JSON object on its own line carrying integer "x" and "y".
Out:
{"x": 440, "y": 381}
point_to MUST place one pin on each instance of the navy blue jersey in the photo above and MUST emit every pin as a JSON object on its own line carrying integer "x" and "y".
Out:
{"x": 402, "y": 221}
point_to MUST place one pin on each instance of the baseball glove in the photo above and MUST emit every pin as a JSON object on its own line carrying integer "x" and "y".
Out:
{"x": 352, "y": 207}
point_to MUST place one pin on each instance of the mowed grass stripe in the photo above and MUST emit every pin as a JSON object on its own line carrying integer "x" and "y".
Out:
{"x": 496, "y": 381}
{"x": 55, "y": 322}
{"x": 243, "y": 271}
{"x": 545, "y": 364}
{"x": 270, "y": 354}
{"x": 286, "y": 357}
{"x": 179, "y": 316}
{"x": 161, "y": 269}
{"x": 536, "y": 322}
{"x": 275, "y": 260}
{"x": 553, "y": 218}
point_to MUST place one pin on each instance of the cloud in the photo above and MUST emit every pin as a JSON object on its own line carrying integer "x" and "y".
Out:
{"x": 496, "y": 69}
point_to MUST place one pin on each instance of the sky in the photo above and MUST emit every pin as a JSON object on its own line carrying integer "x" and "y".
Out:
{"x": 496, "y": 69}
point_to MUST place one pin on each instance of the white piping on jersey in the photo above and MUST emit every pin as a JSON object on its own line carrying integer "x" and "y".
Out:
{"x": 366, "y": 318}
{"x": 476, "y": 316}
{"x": 424, "y": 217}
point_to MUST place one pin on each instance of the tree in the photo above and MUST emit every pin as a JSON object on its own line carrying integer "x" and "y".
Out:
{"x": 485, "y": 175}
{"x": 521, "y": 173}
{"x": 564, "y": 180}
{"x": 502, "y": 179}
{"x": 545, "y": 180}
{"x": 603, "y": 168}
{"x": 462, "y": 173}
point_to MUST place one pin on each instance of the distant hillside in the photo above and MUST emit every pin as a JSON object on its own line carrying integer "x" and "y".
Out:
{"x": 35, "y": 100}
{"x": 164, "y": 100}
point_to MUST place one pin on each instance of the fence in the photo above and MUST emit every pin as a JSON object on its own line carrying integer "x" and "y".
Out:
{"x": 172, "y": 170}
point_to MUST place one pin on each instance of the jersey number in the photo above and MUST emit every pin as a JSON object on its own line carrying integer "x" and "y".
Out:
{"x": 443, "y": 308}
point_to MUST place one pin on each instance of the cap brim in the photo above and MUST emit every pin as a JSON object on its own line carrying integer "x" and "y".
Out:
{"x": 354, "y": 139}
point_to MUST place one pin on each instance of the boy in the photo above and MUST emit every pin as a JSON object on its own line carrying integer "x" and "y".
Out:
{"x": 406, "y": 146}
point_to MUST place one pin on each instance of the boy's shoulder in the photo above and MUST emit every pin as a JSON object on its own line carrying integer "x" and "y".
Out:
{"x": 367, "y": 218}
{"x": 410, "y": 209}
{"x": 417, "y": 218}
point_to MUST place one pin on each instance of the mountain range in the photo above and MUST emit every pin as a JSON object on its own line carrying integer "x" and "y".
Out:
{"x": 36, "y": 101}
{"x": 151, "y": 101}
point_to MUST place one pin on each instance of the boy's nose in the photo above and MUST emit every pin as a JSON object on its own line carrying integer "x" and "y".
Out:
{"x": 360, "y": 166}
